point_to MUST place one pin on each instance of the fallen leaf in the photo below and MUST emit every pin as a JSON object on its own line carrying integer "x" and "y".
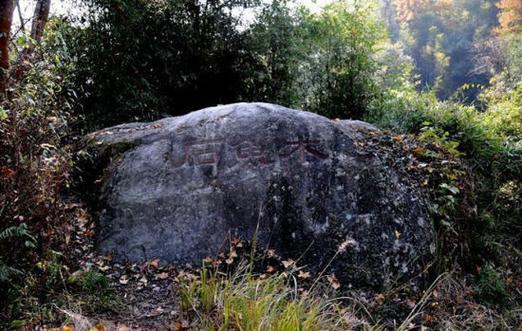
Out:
{"x": 154, "y": 263}
{"x": 270, "y": 269}
{"x": 303, "y": 275}
{"x": 379, "y": 298}
{"x": 419, "y": 150}
{"x": 98, "y": 327}
{"x": 124, "y": 280}
{"x": 67, "y": 328}
{"x": 334, "y": 282}
{"x": 288, "y": 263}
{"x": 104, "y": 268}
{"x": 411, "y": 303}
{"x": 179, "y": 325}
{"x": 163, "y": 275}
{"x": 7, "y": 172}
{"x": 428, "y": 318}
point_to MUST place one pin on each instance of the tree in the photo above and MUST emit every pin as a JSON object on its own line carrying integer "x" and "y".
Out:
{"x": 141, "y": 59}
{"x": 275, "y": 40}
{"x": 408, "y": 9}
{"x": 444, "y": 35}
{"x": 336, "y": 77}
{"x": 6, "y": 17}
{"x": 389, "y": 15}
{"x": 510, "y": 16}
{"x": 40, "y": 17}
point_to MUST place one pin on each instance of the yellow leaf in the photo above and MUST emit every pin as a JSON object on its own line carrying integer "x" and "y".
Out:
{"x": 98, "y": 327}
{"x": 419, "y": 151}
{"x": 154, "y": 263}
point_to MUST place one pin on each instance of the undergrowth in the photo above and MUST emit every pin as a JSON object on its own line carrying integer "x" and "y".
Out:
{"x": 488, "y": 145}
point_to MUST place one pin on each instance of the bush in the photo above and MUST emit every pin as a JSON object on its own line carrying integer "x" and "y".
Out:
{"x": 34, "y": 172}
{"x": 489, "y": 143}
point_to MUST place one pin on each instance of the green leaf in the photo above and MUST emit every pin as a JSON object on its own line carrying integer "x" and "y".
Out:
{"x": 18, "y": 324}
{"x": 3, "y": 114}
{"x": 450, "y": 188}
{"x": 21, "y": 40}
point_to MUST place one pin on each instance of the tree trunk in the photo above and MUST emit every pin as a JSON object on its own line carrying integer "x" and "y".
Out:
{"x": 41, "y": 14}
{"x": 40, "y": 17}
{"x": 6, "y": 18}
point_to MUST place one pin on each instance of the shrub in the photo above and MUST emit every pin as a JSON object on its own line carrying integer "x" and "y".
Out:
{"x": 34, "y": 172}
{"x": 489, "y": 143}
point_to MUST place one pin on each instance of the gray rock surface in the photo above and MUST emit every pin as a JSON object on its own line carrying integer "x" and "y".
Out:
{"x": 179, "y": 188}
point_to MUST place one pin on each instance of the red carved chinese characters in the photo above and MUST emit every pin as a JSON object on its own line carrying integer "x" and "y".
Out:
{"x": 209, "y": 152}
{"x": 201, "y": 153}
{"x": 249, "y": 153}
{"x": 303, "y": 148}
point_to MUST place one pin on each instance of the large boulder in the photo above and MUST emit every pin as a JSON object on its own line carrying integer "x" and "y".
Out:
{"x": 178, "y": 189}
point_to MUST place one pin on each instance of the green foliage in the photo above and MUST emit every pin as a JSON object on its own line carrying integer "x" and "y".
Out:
{"x": 141, "y": 59}
{"x": 20, "y": 232}
{"x": 34, "y": 173}
{"x": 90, "y": 281}
{"x": 482, "y": 217}
{"x": 276, "y": 42}
{"x": 504, "y": 115}
{"x": 491, "y": 287}
{"x": 337, "y": 79}
{"x": 95, "y": 290}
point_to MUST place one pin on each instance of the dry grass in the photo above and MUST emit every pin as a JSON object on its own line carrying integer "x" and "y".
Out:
{"x": 244, "y": 301}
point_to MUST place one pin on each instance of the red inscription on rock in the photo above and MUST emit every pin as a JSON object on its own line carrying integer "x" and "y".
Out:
{"x": 250, "y": 153}
{"x": 200, "y": 153}
{"x": 303, "y": 148}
